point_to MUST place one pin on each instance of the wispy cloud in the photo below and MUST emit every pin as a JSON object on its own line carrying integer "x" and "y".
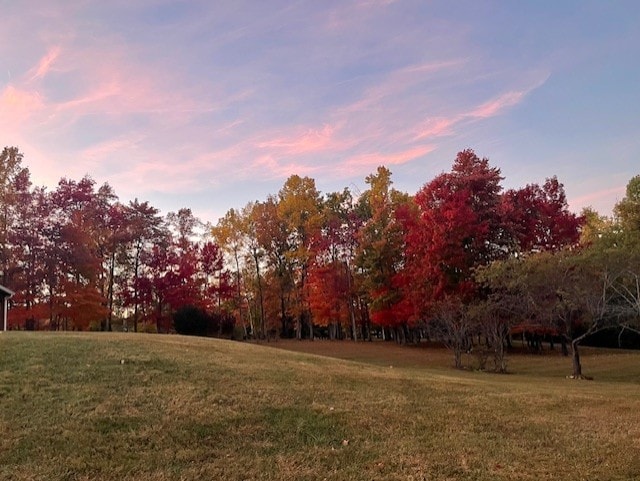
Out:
{"x": 399, "y": 82}
{"x": 305, "y": 141}
{"x": 119, "y": 146}
{"x": 577, "y": 203}
{"x": 382, "y": 126}
{"x": 495, "y": 106}
{"x": 272, "y": 168}
{"x": 374, "y": 3}
{"x": 45, "y": 64}
{"x": 435, "y": 127}
{"x": 370, "y": 161}
{"x": 153, "y": 100}
{"x": 19, "y": 105}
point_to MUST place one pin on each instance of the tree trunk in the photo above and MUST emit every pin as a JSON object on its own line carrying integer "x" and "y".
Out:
{"x": 250, "y": 314}
{"x": 136, "y": 269}
{"x": 260, "y": 296}
{"x": 299, "y": 327}
{"x": 112, "y": 266}
{"x": 500, "y": 337}
{"x": 457, "y": 355}
{"x": 158, "y": 316}
{"x": 575, "y": 357}
{"x": 283, "y": 314}
{"x": 499, "y": 358}
{"x": 401, "y": 335}
{"x": 239, "y": 289}
{"x": 352, "y": 314}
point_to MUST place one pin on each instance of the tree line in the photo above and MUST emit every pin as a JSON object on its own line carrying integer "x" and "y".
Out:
{"x": 79, "y": 259}
{"x": 462, "y": 261}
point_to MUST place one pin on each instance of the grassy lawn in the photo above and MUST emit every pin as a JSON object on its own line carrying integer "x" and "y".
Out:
{"x": 150, "y": 407}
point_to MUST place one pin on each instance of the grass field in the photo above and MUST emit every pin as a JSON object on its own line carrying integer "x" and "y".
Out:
{"x": 150, "y": 407}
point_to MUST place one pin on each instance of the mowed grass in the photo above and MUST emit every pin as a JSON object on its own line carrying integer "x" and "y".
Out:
{"x": 149, "y": 407}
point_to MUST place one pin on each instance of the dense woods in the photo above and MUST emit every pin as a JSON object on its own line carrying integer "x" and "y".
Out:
{"x": 462, "y": 262}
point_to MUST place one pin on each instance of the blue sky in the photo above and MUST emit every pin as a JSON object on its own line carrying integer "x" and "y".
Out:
{"x": 209, "y": 105}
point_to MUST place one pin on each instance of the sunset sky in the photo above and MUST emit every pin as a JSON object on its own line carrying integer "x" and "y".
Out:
{"x": 211, "y": 104}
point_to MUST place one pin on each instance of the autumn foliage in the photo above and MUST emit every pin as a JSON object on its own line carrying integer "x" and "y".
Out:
{"x": 299, "y": 263}
{"x": 79, "y": 259}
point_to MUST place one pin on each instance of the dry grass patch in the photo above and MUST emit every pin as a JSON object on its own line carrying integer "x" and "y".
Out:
{"x": 186, "y": 408}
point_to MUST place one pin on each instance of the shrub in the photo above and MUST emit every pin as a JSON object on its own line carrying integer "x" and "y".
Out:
{"x": 195, "y": 321}
{"x": 192, "y": 320}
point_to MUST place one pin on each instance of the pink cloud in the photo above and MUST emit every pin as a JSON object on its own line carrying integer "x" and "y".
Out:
{"x": 495, "y": 106}
{"x": 431, "y": 67}
{"x": 159, "y": 173}
{"x": 18, "y": 104}
{"x": 107, "y": 84}
{"x": 346, "y": 13}
{"x": 96, "y": 96}
{"x": 398, "y": 83}
{"x": 355, "y": 164}
{"x": 310, "y": 140}
{"x": 106, "y": 80}
{"x": 375, "y": 3}
{"x": 610, "y": 194}
{"x": 105, "y": 150}
{"x": 145, "y": 166}
{"x": 393, "y": 119}
{"x": 436, "y": 127}
{"x": 271, "y": 168}
{"x": 229, "y": 127}
{"x": 44, "y": 65}
{"x": 441, "y": 126}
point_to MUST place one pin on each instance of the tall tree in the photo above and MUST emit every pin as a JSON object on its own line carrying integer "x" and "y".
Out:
{"x": 380, "y": 251}
{"x": 594, "y": 226}
{"x": 251, "y": 215}
{"x": 568, "y": 291}
{"x": 273, "y": 237}
{"x": 627, "y": 211}
{"x": 299, "y": 210}
{"x": 183, "y": 225}
{"x": 458, "y": 228}
{"x": 76, "y": 257}
{"x": 11, "y": 171}
{"x": 539, "y": 217}
{"x": 113, "y": 249}
{"x": 145, "y": 228}
{"x": 623, "y": 242}
{"x": 331, "y": 277}
{"x": 214, "y": 278}
{"x": 230, "y": 235}
{"x": 26, "y": 276}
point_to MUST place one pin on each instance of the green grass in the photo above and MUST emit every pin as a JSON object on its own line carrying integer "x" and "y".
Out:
{"x": 149, "y": 407}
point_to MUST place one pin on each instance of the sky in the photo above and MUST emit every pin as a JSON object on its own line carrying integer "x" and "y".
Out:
{"x": 212, "y": 104}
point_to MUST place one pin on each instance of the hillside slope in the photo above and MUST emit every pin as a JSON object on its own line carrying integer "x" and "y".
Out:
{"x": 145, "y": 407}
